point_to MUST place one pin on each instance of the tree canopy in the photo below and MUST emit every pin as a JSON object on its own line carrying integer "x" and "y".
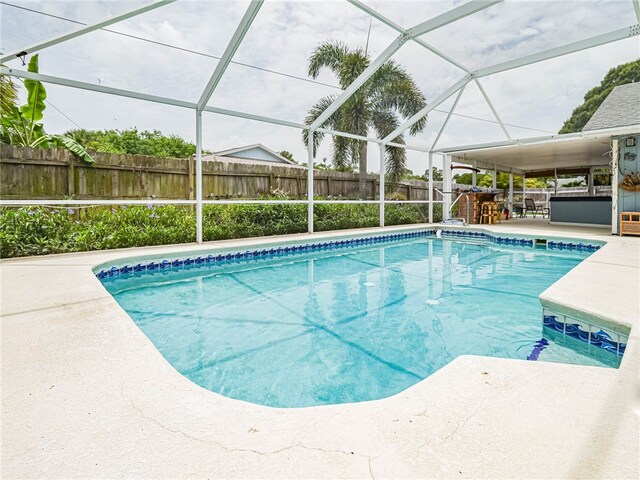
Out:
{"x": 502, "y": 181}
{"x": 133, "y": 142}
{"x": 620, "y": 75}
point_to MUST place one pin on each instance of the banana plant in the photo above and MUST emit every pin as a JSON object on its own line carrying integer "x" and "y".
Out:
{"x": 23, "y": 126}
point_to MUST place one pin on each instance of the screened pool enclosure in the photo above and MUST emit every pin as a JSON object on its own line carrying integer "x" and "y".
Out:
{"x": 413, "y": 38}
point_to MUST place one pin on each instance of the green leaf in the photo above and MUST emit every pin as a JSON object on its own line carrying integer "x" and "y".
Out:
{"x": 71, "y": 145}
{"x": 36, "y": 95}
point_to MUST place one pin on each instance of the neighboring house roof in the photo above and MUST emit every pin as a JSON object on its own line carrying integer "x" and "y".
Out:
{"x": 256, "y": 153}
{"x": 248, "y": 161}
{"x": 619, "y": 109}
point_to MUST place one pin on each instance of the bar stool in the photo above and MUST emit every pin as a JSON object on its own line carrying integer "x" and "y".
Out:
{"x": 489, "y": 212}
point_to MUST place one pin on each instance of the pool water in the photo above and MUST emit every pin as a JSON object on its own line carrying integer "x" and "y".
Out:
{"x": 352, "y": 324}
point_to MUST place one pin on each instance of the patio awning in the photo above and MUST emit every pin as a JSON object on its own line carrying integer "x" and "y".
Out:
{"x": 572, "y": 154}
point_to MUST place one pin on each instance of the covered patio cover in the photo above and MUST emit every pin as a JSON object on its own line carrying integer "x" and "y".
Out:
{"x": 572, "y": 154}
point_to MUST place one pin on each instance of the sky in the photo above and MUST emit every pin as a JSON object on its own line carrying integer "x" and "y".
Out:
{"x": 282, "y": 37}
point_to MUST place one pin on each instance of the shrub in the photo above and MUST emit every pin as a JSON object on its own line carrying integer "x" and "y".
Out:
{"x": 41, "y": 230}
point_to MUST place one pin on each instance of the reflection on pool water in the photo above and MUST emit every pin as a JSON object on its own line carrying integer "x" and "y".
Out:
{"x": 351, "y": 324}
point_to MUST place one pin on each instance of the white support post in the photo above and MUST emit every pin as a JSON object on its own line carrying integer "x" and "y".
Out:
{"x": 87, "y": 29}
{"x": 441, "y": 20}
{"x": 636, "y": 7}
{"x": 229, "y": 52}
{"x": 494, "y": 181}
{"x": 474, "y": 175}
{"x": 590, "y": 183}
{"x": 524, "y": 190}
{"x": 382, "y": 179}
{"x": 430, "y": 187}
{"x": 615, "y": 181}
{"x": 446, "y": 120}
{"x": 446, "y": 186}
{"x": 310, "y": 134}
{"x": 198, "y": 176}
{"x": 510, "y": 193}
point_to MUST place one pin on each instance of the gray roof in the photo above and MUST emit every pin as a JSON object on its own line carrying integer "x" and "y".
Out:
{"x": 619, "y": 109}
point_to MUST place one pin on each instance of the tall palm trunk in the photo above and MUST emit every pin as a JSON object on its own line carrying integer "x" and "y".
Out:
{"x": 362, "y": 170}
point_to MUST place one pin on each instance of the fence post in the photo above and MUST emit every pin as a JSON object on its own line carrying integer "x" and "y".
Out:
{"x": 190, "y": 167}
{"x": 71, "y": 178}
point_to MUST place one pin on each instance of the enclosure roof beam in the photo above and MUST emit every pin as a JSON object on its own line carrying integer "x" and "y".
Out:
{"x": 636, "y": 7}
{"x": 564, "y": 137}
{"x": 65, "y": 82}
{"x": 251, "y": 116}
{"x": 430, "y": 106}
{"x": 493, "y": 109}
{"x": 229, "y": 52}
{"x": 446, "y": 18}
{"x": 84, "y": 30}
{"x": 446, "y": 121}
{"x": 439, "y": 53}
{"x": 95, "y": 88}
{"x": 616, "y": 35}
{"x": 596, "y": 41}
{"x": 390, "y": 23}
{"x": 450, "y": 16}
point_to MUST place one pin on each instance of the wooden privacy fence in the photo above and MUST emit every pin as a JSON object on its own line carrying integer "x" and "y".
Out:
{"x": 34, "y": 173}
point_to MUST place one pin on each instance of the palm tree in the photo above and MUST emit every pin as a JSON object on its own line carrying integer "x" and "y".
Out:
{"x": 388, "y": 96}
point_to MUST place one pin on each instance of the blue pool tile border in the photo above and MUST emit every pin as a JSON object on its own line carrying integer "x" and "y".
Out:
{"x": 271, "y": 252}
{"x": 586, "y": 332}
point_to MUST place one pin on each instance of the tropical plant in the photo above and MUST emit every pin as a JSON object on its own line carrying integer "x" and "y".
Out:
{"x": 388, "y": 96}
{"x": 620, "y": 75}
{"x": 22, "y": 126}
{"x": 8, "y": 101}
{"x": 8, "y": 95}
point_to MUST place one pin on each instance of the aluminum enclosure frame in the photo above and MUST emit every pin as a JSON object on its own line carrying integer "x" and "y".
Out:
{"x": 412, "y": 34}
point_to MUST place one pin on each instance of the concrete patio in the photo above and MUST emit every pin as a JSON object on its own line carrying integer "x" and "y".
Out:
{"x": 85, "y": 394}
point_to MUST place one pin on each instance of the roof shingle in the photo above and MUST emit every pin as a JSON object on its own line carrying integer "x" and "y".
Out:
{"x": 620, "y": 108}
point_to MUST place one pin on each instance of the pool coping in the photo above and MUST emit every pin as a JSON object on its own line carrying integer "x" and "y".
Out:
{"x": 461, "y": 399}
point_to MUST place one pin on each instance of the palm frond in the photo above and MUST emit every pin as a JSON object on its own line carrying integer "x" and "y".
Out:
{"x": 396, "y": 163}
{"x": 392, "y": 88}
{"x": 341, "y": 159}
{"x": 385, "y": 122}
{"x": 329, "y": 55}
{"x": 315, "y": 111}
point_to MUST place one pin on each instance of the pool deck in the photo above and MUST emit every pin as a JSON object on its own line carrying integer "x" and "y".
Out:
{"x": 85, "y": 394}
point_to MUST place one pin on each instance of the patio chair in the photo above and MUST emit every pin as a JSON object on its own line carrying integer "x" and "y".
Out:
{"x": 530, "y": 206}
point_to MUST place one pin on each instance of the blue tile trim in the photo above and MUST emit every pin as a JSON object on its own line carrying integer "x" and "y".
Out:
{"x": 235, "y": 257}
{"x": 599, "y": 338}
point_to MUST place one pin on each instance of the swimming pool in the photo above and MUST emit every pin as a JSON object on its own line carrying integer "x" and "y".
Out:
{"x": 348, "y": 322}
